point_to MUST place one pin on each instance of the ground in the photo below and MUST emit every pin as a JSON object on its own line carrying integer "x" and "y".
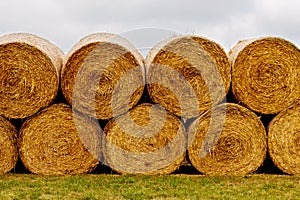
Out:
{"x": 176, "y": 186}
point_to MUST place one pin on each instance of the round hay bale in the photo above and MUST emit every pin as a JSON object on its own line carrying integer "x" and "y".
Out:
{"x": 284, "y": 140}
{"x": 147, "y": 140}
{"x": 187, "y": 75}
{"x": 8, "y": 146}
{"x": 103, "y": 76}
{"x": 29, "y": 74}
{"x": 265, "y": 74}
{"x": 229, "y": 140}
{"x": 57, "y": 141}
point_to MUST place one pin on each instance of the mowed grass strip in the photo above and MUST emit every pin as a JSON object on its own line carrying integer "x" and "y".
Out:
{"x": 93, "y": 186}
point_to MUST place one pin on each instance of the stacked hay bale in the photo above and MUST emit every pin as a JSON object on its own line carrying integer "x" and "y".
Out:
{"x": 284, "y": 140}
{"x": 29, "y": 74}
{"x": 8, "y": 146}
{"x": 59, "y": 141}
{"x": 29, "y": 81}
{"x": 103, "y": 76}
{"x": 147, "y": 140}
{"x": 187, "y": 75}
{"x": 229, "y": 139}
{"x": 265, "y": 77}
{"x": 265, "y": 74}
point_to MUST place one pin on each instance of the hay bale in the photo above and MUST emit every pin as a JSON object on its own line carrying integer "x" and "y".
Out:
{"x": 29, "y": 74}
{"x": 103, "y": 76}
{"x": 58, "y": 141}
{"x": 147, "y": 140}
{"x": 187, "y": 75}
{"x": 8, "y": 146}
{"x": 284, "y": 140}
{"x": 265, "y": 74}
{"x": 228, "y": 140}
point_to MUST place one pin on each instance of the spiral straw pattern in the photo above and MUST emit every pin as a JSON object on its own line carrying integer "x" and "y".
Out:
{"x": 187, "y": 75}
{"x": 103, "y": 76}
{"x": 57, "y": 141}
{"x": 266, "y": 74}
{"x": 29, "y": 74}
{"x": 147, "y": 140}
{"x": 229, "y": 140}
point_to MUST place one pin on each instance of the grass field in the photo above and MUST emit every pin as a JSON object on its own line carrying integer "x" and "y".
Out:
{"x": 101, "y": 186}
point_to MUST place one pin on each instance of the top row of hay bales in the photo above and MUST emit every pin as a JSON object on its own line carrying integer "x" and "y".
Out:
{"x": 187, "y": 75}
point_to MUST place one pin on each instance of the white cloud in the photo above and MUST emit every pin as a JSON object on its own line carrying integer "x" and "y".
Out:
{"x": 66, "y": 21}
{"x": 279, "y": 18}
{"x": 237, "y": 27}
{"x": 278, "y": 9}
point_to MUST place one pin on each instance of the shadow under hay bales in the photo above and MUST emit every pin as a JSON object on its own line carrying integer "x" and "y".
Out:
{"x": 269, "y": 167}
{"x": 17, "y": 123}
{"x": 60, "y": 98}
{"x": 145, "y": 97}
{"x": 103, "y": 169}
{"x": 229, "y": 98}
{"x": 102, "y": 123}
{"x": 187, "y": 168}
{"x": 266, "y": 119}
{"x": 20, "y": 168}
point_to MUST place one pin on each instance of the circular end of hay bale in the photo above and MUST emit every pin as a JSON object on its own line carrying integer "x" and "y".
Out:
{"x": 57, "y": 141}
{"x": 96, "y": 71}
{"x": 8, "y": 146}
{"x": 229, "y": 140}
{"x": 29, "y": 74}
{"x": 147, "y": 140}
{"x": 187, "y": 75}
{"x": 265, "y": 74}
{"x": 284, "y": 140}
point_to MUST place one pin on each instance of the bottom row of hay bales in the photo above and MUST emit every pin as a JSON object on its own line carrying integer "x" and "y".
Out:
{"x": 229, "y": 139}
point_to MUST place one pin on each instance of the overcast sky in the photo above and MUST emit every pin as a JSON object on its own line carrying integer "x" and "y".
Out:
{"x": 65, "y": 22}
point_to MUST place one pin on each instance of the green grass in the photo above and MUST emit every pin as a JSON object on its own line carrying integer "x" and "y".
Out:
{"x": 93, "y": 186}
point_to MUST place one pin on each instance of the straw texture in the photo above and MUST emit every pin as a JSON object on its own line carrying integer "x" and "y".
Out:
{"x": 284, "y": 140}
{"x": 147, "y": 140}
{"x": 266, "y": 74}
{"x": 58, "y": 141}
{"x": 8, "y": 146}
{"x": 103, "y": 76}
{"x": 187, "y": 75}
{"x": 29, "y": 74}
{"x": 229, "y": 140}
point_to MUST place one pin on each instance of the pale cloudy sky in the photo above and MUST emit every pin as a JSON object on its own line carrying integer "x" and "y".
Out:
{"x": 65, "y": 22}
